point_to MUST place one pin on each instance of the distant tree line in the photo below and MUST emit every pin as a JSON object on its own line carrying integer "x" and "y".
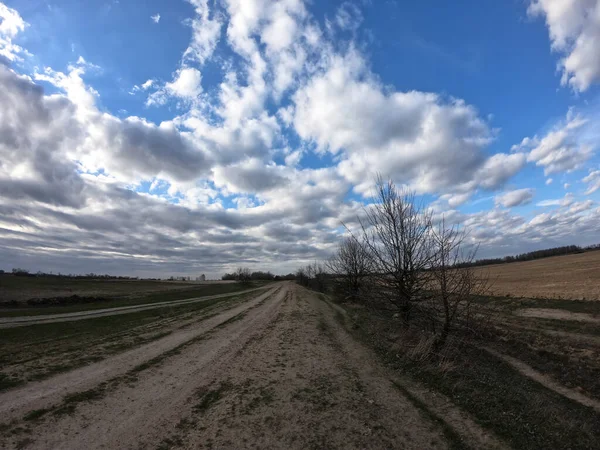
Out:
{"x": 20, "y": 272}
{"x": 245, "y": 275}
{"x": 529, "y": 256}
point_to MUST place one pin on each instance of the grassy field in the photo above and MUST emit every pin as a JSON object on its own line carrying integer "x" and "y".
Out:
{"x": 16, "y": 293}
{"x": 534, "y": 382}
{"x": 569, "y": 277}
{"x": 21, "y": 289}
{"x": 38, "y": 351}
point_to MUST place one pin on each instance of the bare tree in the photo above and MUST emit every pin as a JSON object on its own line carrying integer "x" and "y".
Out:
{"x": 301, "y": 276}
{"x": 454, "y": 282}
{"x": 243, "y": 275}
{"x": 351, "y": 265}
{"x": 397, "y": 232}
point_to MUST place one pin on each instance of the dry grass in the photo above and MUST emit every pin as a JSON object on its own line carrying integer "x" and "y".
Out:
{"x": 568, "y": 277}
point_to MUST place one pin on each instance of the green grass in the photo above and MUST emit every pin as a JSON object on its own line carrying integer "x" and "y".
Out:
{"x": 516, "y": 408}
{"x": 132, "y": 298}
{"x": 77, "y": 339}
{"x": 454, "y": 440}
{"x": 512, "y": 304}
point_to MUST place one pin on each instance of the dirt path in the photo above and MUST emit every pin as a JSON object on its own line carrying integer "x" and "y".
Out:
{"x": 21, "y": 321}
{"x": 279, "y": 374}
{"x": 547, "y": 381}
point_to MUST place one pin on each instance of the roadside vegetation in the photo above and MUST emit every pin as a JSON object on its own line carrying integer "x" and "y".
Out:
{"x": 526, "y": 369}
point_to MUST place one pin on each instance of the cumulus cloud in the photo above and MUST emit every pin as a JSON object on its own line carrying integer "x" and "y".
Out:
{"x": 232, "y": 175}
{"x": 206, "y": 30}
{"x": 517, "y": 197}
{"x": 186, "y": 83}
{"x": 562, "y": 149}
{"x": 11, "y": 23}
{"x": 155, "y": 18}
{"x": 574, "y": 28}
{"x": 418, "y": 138}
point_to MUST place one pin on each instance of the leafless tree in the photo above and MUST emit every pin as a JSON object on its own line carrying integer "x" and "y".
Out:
{"x": 243, "y": 275}
{"x": 350, "y": 265}
{"x": 454, "y": 283}
{"x": 397, "y": 235}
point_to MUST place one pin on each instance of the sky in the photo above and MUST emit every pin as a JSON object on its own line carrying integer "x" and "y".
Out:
{"x": 179, "y": 137}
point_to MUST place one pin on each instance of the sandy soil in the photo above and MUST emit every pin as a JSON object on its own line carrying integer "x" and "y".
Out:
{"x": 275, "y": 372}
{"x": 570, "y": 277}
{"x": 10, "y": 322}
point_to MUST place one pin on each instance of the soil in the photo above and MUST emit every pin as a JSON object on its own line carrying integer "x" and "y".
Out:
{"x": 567, "y": 277}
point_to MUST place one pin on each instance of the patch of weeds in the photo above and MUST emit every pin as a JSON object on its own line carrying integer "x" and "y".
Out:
{"x": 453, "y": 439}
{"x": 36, "y": 414}
{"x": 8, "y": 382}
{"x": 23, "y": 443}
{"x": 322, "y": 326}
{"x": 210, "y": 397}
{"x": 235, "y": 318}
{"x": 265, "y": 397}
{"x": 70, "y": 402}
{"x": 319, "y": 393}
{"x": 170, "y": 442}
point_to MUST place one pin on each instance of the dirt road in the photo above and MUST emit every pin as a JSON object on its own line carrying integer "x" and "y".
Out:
{"x": 20, "y": 321}
{"x": 278, "y": 371}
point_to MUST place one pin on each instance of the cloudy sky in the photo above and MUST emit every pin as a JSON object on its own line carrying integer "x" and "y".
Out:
{"x": 178, "y": 137}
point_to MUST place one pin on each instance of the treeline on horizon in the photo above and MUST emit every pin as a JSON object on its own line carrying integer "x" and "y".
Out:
{"x": 530, "y": 256}
{"x": 244, "y": 274}
{"x": 260, "y": 275}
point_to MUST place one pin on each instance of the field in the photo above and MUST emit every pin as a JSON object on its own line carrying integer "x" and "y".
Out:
{"x": 45, "y": 295}
{"x": 569, "y": 276}
{"x": 280, "y": 366}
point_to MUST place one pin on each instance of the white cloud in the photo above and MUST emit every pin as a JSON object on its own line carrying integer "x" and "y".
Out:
{"x": 424, "y": 140}
{"x": 187, "y": 83}
{"x": 517, "y": 197}
{"x": 593, "y": 181}
{"x": 567, "y": 200}
{"x": 574, "y": 28}
{"x": 562, "y": 149}
{"x": 155, "y": 18}
{"x": 209, "y": 187}
{"x": 348, "y": 16}
{"x": 206, "y": 31}
{"x": 11, "y": 23}
{"x": 566, "y": 185}
{"x": 549, "y": 181}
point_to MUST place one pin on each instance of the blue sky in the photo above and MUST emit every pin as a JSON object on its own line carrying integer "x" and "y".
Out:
{"x": 170, "y": 137}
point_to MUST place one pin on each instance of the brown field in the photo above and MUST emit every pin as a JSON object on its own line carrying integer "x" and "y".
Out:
{"x": 575, "y": 277}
